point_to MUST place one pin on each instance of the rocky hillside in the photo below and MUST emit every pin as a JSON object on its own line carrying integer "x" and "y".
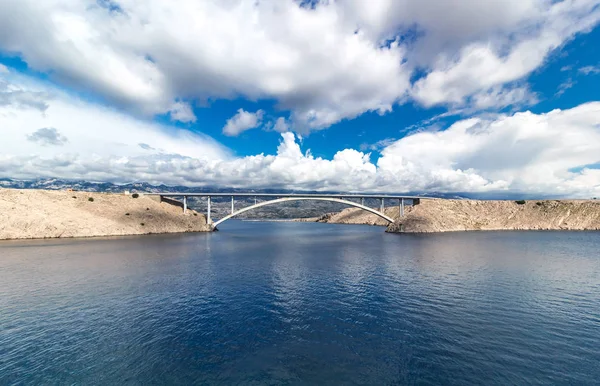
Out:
{"x": 30, "y": 214}
{"x": 435, "y": 215}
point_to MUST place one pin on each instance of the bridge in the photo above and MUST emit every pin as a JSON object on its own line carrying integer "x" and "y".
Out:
{"x": 354, "y": 200}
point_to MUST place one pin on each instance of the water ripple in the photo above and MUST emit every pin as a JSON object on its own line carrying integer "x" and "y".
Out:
{"x": 302, "y": 304}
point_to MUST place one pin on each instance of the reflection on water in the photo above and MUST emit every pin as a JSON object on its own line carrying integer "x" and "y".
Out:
{"x": 302, "y": 303}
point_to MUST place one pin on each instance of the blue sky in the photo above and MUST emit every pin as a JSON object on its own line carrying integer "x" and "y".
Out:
{"x": 343, "y": 95}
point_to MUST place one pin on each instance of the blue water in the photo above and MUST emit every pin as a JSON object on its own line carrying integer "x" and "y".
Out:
{"x": 301, "y": 303}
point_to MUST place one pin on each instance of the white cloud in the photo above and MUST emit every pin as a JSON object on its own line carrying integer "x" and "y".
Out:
{"x": 483, "y": 66}
{"x": 47, "y": 136}
{"x": 564, "y": 86}
{"x": 542, "y": 154}
{"x": 323, "y": 64}
{"x": 3, "y": 69}
{"x": 524, "y": 153}
{"x": 145, "y": 57}
{"x": 17, "y": 97}
{"x": 182, "y": 112}
{"x": 377, "y": 146}
{"x": 587, "y": 70}
{"x": 93, "y": 132}
{"x": 242, "y": 121}
{"x": 145, "y": 146}
{"x": 502, "y": 56}
{"x": 500, "y": 97}
{"x": 281, "y": 125}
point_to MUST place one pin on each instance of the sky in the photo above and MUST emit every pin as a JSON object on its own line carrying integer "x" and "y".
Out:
{"x": 491, "y": 97}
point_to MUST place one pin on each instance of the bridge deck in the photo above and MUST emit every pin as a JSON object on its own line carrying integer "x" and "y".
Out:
{"x": 246, "y": 194}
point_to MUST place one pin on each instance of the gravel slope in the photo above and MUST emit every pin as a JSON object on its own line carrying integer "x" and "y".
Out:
{"x": 31, "y": 214}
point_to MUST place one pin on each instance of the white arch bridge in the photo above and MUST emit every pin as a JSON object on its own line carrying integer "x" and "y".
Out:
{"x": 355, "y": 200}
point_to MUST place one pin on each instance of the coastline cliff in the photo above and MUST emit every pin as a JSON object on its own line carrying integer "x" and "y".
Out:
{"x": 35, "y": 214}
{"x": 437, "y": 215}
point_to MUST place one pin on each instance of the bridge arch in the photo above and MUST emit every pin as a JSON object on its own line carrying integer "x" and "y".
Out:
{"x": 286, "y": 199}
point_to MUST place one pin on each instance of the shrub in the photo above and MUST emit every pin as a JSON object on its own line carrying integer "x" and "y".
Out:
{"x": 147, "y": 208}
{"x": 126, "y": 214}
{"x": 520, "y": 202}
{"x": 74, "y": 197}
{"x": 539, "y": 203}
{"x": 142, "y": 224}
{"x": 195, "y": 214}
{"x": 91, "y": 199}
{"x": 135, "y": 195}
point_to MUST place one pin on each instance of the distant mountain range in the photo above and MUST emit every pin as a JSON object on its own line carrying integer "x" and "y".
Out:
{"x": 59, "y": 184}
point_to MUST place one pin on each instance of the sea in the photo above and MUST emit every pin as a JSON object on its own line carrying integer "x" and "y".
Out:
{"x": 285, "y": 303}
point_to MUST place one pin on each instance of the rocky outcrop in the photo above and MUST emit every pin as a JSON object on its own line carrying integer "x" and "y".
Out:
{"x": 437, "y": 215}
{"x": 357, "y": 216}
{"x": 32, "y": 214}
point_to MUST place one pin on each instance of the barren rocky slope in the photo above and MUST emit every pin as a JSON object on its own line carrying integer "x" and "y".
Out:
{"x": 435, "y": 215}
{"x": 29, "y": 214}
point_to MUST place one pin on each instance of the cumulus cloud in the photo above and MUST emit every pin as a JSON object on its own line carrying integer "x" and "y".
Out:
{"x": 47, "y": 136}
{"x": 242, "y": 121}
{"x": 523, "y": 152}
{"x": 519, "y": 45}
{"x": 331, "y": 61}
{"x": 549, "y": 153}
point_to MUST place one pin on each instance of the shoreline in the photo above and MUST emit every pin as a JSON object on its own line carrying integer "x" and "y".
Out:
{"x": 99, "y": 236}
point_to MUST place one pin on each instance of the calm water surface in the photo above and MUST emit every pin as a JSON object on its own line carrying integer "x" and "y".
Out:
{"x": 300, "y": 303}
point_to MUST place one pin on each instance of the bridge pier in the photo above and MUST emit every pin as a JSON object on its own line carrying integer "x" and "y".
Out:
{"x": 232, "y": 210}
{"x": 184, "y": 204}
{"x": 401, "y": 205}
{"x": 208, "y": 220}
